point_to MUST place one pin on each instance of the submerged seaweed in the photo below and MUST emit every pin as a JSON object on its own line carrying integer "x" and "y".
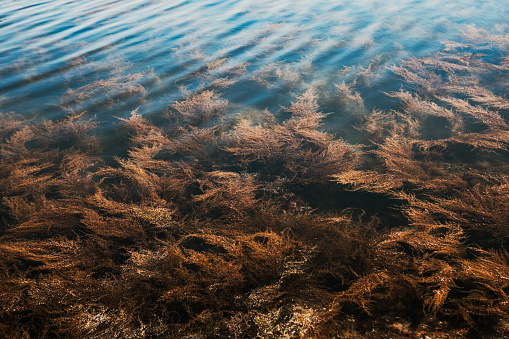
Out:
{"x": 202, "y": 229}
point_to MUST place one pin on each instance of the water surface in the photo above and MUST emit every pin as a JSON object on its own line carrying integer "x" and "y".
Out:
{"x": 149, "y": 54}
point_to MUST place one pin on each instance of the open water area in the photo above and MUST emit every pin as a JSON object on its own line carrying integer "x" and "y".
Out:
{"x": 157, "y": 52}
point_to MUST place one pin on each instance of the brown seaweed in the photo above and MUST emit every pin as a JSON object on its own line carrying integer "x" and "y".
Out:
{"x": 201, "y": 229}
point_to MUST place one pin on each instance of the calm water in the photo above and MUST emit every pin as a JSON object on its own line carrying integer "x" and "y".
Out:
{"x": 107, "y": 58}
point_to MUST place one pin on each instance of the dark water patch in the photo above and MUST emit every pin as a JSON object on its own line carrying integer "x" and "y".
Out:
{"x": 327, "y": 197}
{"x": 201, "y": 245}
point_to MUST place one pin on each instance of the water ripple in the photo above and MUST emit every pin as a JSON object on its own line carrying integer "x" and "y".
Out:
{"x": 48, "y": 47}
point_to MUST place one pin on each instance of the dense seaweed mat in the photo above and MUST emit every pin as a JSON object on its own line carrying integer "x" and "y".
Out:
{"x": 265, "y": 224}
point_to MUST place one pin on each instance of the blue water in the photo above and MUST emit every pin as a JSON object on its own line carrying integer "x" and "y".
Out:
{"x": 107, "y": 58}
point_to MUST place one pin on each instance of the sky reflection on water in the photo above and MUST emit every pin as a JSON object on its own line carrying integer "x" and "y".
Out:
{"x": 50, "y": 47}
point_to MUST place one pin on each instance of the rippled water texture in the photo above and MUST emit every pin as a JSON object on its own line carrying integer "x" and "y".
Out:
{"x": 107, "y": 58}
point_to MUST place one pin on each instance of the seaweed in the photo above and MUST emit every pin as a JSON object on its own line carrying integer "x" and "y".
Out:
{"x": 201, "y": 229}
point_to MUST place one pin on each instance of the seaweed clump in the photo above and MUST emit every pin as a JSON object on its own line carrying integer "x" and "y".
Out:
{"x": 204, "y": 227}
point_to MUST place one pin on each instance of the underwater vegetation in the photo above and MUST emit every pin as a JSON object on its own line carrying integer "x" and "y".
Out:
{"x": 266, "y": 225}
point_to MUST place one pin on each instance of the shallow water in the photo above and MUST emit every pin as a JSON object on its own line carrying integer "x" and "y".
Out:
{"x": 295, "y": 168}
{"x": 50, "y": 50}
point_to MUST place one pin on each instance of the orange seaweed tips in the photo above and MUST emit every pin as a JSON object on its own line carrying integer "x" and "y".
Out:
{"x": 228, "y": 193}
{"x": 306, "y": 105}
{"x": 303, "y": 152}
{"x": 200, "y": 107}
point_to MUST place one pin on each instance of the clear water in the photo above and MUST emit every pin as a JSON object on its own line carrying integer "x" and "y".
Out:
{"x": 107, "y": 58}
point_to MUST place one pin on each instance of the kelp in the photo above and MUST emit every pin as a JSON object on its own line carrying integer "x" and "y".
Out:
{"x": 209, "y": 225}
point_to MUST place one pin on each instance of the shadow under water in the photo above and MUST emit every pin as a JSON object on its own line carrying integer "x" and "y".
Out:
{"x": 267, "y": 224}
